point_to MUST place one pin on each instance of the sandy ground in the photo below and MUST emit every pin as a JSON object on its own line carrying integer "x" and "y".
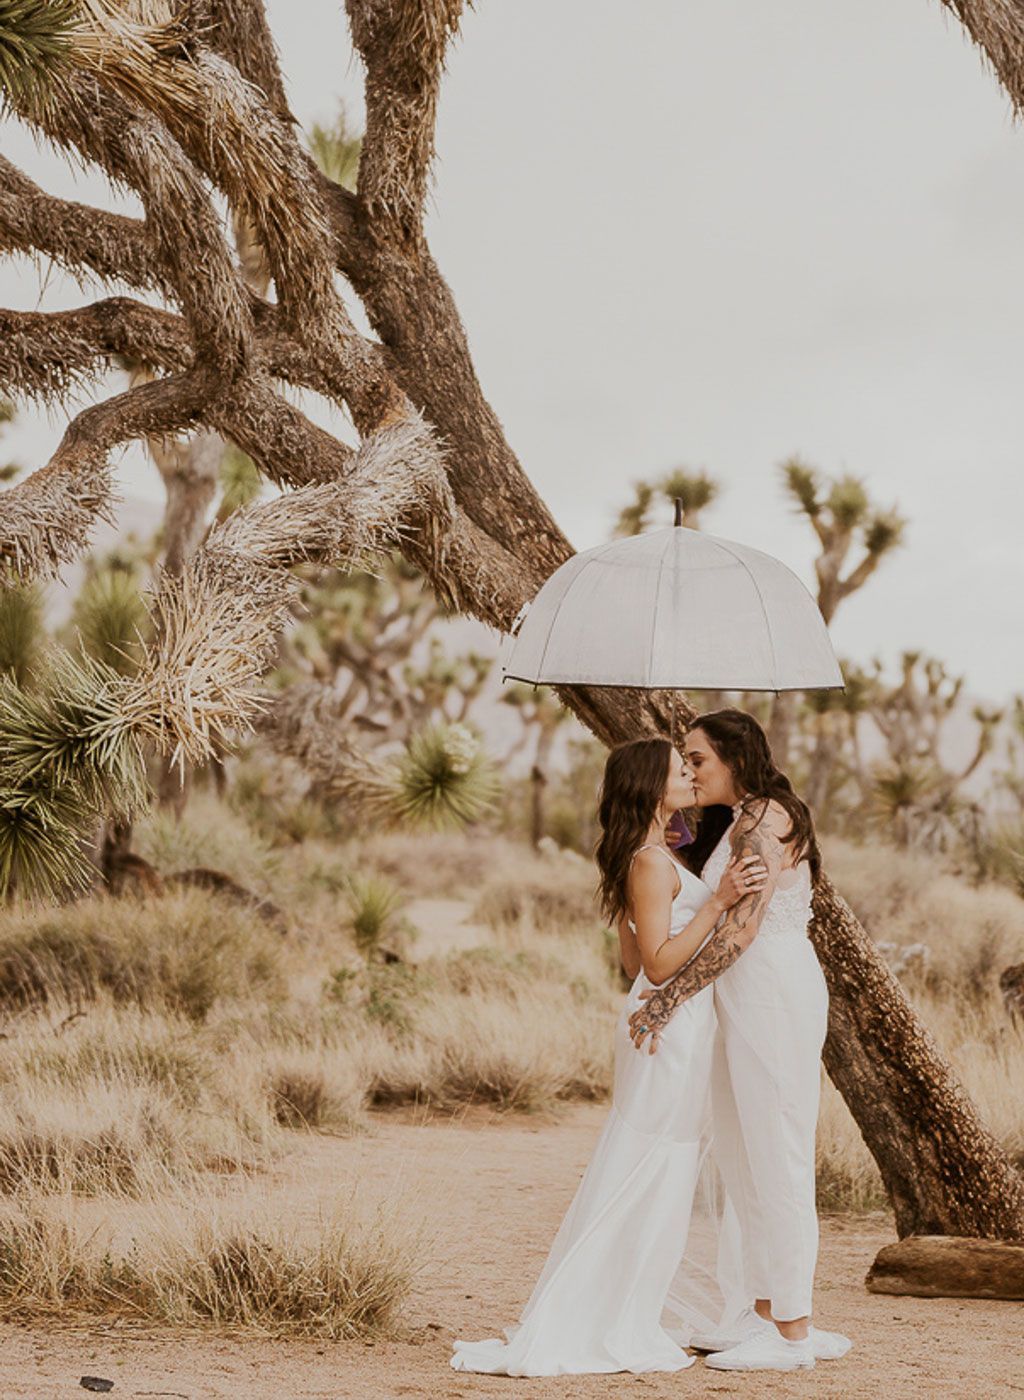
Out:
{"x": 488, "y": 1195}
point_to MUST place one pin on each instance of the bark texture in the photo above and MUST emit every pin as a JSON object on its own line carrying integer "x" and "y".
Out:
{"x": 433, "y": 475}
{"x": 943, "y": 1170}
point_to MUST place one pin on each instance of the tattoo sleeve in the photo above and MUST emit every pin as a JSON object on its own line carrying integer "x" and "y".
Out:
{"x": 734, "y": 934}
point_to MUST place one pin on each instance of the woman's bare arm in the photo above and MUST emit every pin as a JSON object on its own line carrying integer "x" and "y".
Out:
{"x": 756, "y": 835}
{"x": 652, "y": 886}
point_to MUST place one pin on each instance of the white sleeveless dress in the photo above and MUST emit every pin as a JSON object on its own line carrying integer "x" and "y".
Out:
{"x": 597, "y": 1305}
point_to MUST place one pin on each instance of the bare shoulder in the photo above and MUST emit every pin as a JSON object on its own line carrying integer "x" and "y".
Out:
{"x": 650, "y": 866}
{"x": 764, "y": 823}
{"x": 652, "y": 863}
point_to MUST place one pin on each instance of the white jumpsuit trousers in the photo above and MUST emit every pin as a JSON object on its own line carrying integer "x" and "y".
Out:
{"x": 772, "y": 1009}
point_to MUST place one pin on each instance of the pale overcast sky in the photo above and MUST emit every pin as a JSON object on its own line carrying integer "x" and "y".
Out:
{"x": 715, "y": 234}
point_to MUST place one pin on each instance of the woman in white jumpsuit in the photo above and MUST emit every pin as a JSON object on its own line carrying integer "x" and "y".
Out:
{"x": 771, "y": 1004}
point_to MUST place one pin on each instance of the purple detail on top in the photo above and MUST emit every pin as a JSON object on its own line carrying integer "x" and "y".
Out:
{"x": 677, "y": 832}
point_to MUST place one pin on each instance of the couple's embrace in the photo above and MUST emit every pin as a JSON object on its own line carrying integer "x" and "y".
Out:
{"x": 717, "y": 1076}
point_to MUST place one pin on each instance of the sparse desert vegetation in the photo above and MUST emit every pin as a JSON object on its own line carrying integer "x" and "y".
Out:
{"x": 161, "y": 1055}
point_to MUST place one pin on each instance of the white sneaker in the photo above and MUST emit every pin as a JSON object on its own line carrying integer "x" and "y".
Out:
{"x": 766, "y": 1350}
{"x": 827, "y": 1346}
{"x": 746, "y": 1325}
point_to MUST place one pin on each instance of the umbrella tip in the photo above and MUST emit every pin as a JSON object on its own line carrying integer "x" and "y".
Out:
{"x": 679, "y": 510}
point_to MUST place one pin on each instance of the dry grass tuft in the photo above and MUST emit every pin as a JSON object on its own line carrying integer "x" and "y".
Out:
{"x": 183, "y": 951}
{"x": 195, "y": 1263}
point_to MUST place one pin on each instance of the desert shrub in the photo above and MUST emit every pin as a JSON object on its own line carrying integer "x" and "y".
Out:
{"x": 122, "y": 1099}
{"x": 526, "y": 1055}
{"x": 324, "y": 1087}
{"x": 210, "y": 833}
{"x": 374, "y": 904}
{"x": 195, "y": 1264}
{"x": 551, "y": 906}
{"x": 971, "y": 932}
{"x": 394, "y": 989}
{"x": 847, "y": 1177}
{"x": 183, "y": 951}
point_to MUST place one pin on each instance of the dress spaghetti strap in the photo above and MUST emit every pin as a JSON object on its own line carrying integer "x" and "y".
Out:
{"x": 652, "y": 846}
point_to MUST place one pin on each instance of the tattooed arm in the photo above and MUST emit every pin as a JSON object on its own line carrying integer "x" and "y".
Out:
{"x": 761, "y": 833}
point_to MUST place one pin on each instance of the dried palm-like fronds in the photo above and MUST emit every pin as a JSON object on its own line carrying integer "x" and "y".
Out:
{"x": 216, "y": 625}
{"x": 997, "y": 26}
{"x": 47, "y": 355}
{"x": 46, "y": 519}
{"x": 403, "y": 45}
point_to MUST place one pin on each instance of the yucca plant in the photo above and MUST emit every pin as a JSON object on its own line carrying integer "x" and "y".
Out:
{"x": 111, "y": 619}
{"x": 444, "y": 779}
{"x": 35, "y": 39}
{"x": 240, "y": 481}
{"x": 374, "y": 903}
{"x": 66, "y": 757}
{"x": 336, "y": 150}
{"x": 21, "y": 629}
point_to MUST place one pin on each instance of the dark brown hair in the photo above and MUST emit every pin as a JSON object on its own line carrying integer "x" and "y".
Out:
{"x": 635, "y": 777}
{"x": 742, "y": 745}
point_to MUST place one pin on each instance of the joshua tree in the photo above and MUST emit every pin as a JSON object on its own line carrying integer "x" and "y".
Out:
{"x": 844, "y": 520}
{"x": 176, "y": 106}
{"x": 9, "y": 470}
{"x": 915, "y": 790}
{"x": 542, "y": 716}
{"x": 695, "y": 490}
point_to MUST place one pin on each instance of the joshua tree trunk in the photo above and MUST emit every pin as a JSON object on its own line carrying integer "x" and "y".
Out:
{"x": 780, "y": 726}
{"x": 189, "y": 471}
{"x": 943, "y": 1170}
{"x": 823, "y": 761}
{"x": 467, "y": 516}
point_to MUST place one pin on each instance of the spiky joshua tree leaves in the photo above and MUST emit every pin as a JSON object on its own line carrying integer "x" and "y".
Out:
{"x": 186, "y": 106}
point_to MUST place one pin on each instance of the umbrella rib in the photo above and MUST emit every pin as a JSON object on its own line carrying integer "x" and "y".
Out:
{"x": 764, "y": 611}
{"x": 657, "y": 606}
{"x": 554, "y": 617}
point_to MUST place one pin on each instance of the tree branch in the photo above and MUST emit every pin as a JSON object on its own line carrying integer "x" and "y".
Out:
{"x": 997, "y": 27}
{"x": 403, "y": 45}
{"x": 78, "y": 237}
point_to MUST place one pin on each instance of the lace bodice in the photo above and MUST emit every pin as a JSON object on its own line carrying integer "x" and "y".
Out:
{"x": 789, "y": 909}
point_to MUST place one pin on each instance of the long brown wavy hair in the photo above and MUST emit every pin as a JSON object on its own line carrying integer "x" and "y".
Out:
{"x": 635, "y": 777}
{"x": 742, "y": 745}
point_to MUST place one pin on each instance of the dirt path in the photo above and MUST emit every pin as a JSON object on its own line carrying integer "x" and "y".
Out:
{"x": 490, "y": 1195}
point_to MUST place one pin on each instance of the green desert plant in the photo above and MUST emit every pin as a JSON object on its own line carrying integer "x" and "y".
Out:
{"x": 444, "y": 779}
{"x": 35, "y": 37}
{"x": 21, "y": 629}
{"x": 66, "y": 757}
{"x": 240, "y": 481}
{"x": 336, "y": 150}
{"x": 111, "y": 620}
{"x": 374, "y": 903}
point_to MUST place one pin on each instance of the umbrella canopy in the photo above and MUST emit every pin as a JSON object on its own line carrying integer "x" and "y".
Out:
{"x": 674, "y": 609}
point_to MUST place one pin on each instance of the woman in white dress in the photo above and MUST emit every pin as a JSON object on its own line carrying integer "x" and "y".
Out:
{"x": 598, "y": 1303}
{"x": 772, "y": 1006}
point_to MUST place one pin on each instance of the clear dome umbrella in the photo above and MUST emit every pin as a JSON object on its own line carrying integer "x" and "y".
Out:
{"x": 674, "y": 609}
